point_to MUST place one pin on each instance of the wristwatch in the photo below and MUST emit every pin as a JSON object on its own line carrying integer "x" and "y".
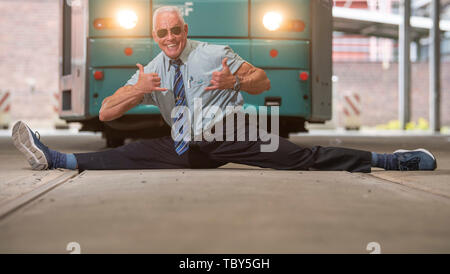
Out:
{"x": 237, "y": 85}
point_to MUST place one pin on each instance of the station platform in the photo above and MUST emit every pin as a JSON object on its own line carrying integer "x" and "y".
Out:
{"x": 233, "y": 209}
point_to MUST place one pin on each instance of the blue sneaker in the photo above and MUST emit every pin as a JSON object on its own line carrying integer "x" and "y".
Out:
{"x": 28, "y": 143}
{"x": 418, "y": 159}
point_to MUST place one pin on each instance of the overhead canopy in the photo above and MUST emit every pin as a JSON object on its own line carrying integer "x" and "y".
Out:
{"x": 373, "y": 23}
{"x": 421, "y": 7}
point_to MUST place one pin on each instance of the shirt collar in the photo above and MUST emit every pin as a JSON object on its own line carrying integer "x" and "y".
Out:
{"x": 183, "y": 56}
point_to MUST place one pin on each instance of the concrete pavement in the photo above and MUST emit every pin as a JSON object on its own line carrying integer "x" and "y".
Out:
{"x": 235, "y": 209}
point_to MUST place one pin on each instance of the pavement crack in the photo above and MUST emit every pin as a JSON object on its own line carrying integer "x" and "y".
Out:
{"x": 393, "y": 181}
{"x": 12, "y": 206}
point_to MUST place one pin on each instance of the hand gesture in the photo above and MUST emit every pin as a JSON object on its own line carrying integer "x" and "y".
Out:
{"x": 148, "y": 82}
{"x": 222, "y": 79}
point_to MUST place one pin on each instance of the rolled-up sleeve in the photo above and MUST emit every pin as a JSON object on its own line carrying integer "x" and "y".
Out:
{"x": 234, "y": 60}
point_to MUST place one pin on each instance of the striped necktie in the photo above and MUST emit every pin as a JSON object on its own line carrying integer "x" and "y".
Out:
{"x": 181, "y": 146}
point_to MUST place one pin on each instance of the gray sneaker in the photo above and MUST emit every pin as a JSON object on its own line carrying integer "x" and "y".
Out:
{"x": 418, "y": 159}
{"x": 37, "y": 154}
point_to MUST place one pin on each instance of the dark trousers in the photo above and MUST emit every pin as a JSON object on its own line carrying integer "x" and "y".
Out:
{"x": 160, "y": 154}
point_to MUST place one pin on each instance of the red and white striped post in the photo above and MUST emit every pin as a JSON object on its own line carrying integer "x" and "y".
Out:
{"x": 351, "y": 108}
{"x": 58, "y": 123}
{"x": 5, "y": 108}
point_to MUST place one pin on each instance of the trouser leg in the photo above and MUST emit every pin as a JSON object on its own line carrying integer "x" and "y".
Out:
{"x": 145, "y": 154}
{"x": 338, "y": 158}
{"x": 288, "y": 156}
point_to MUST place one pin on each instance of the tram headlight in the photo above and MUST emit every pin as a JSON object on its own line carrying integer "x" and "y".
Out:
{"x": 127, "y": 19}
{"x": 272, "y": 20}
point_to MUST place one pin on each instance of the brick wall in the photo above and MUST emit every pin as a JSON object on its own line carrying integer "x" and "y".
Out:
{"x": 29, "y": 55}
{"x": 378, "y": 90}
{"x": 29, "y": 69}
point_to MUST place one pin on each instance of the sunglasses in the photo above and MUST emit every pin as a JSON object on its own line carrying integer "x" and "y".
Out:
{"x": 163, "y": 32}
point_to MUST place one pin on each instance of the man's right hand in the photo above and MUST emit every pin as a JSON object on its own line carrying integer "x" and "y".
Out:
{"x": 148, "y": 82}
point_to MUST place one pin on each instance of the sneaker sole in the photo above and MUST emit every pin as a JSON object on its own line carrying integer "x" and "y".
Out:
{"x": 23, "y": 140}
{"x": 422, "y": 150}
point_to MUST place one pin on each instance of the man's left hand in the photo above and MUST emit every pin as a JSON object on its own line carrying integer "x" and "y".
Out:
{"x": 222, "y": 79}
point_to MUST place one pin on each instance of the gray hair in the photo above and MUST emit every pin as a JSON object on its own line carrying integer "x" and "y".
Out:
{"x": 167, "y": 9}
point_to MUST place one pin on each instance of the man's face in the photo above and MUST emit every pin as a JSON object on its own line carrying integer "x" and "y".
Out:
{"x": 172, "y": 44}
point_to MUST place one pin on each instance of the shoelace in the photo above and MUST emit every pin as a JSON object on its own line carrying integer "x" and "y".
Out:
{"x": 412, "y": 164}
{"x": 38, "y": 135}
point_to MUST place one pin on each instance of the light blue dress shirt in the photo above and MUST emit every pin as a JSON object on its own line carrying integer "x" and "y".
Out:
{"x": 200, "y": 60}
